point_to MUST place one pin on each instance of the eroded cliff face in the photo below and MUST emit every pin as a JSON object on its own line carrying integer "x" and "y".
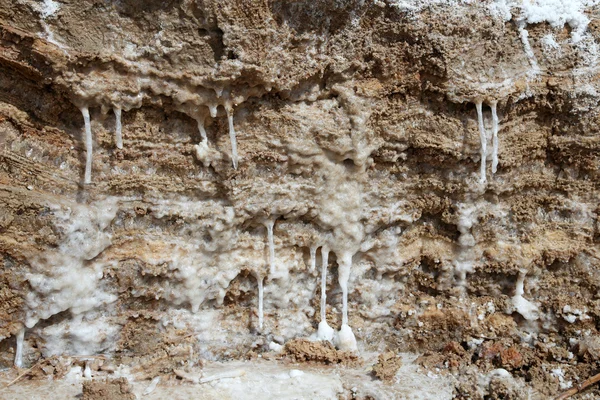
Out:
{"x": 353, "y": 129}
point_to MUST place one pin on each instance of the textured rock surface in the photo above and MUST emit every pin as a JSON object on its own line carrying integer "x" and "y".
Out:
{"x": 357, "y": 129}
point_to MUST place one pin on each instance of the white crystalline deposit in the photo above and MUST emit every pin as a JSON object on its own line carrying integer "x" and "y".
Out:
{"x": 483, "y": 138}
{"x": 467, "y": 217}
{"x": 483, "y": 141}
{"x": 557, "y": 13}
{"x": 313, "y": 257}
{"x": 526, "y": 308}
{"x": 232, "y": 137}
{"x": 269, "y": 225}
{"x": 259, "y": 280}
{"x": 325, "y": 332}
{"x": 80, "y": 336}
{"x": 494, "y": 137}
{"x": 68, "y": 277}
{"x": 88, "y": 145}
{"x": 19, "y": 349}
{"x": 118, "y": 128}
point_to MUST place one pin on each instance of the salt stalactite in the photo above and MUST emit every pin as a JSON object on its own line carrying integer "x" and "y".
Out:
{"x": 483, "y": 139}
{"x": 234, "y": 155}
{"x": 259, "y": 279}
{"x": 269, "y": 225}
{"x": 524, "y": 35}
{"x": 201, "y": 129}
{"x": 88, "y": 144}
{"x": 19, "y": 349}
{"x": 212, "y": 108}
{"x": 527, "y": 309}
{"x": 346, "y": 339}
{"x": 313, "y": 258}
{"x": 495, "y": 137}
{"x": 87, "y": 372}
{"x": 204, "y": 153}
{"x": 325, "y": 332}
{"x": 119, "y": 128}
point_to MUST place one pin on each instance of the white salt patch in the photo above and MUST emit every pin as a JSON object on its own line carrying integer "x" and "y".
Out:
{"x": 559, "y": 373}
{"x": 49, "y": 8}
{"x": 524, "y": 35}
{"x": 499, "y": 373}
{"x": 549, "y": 43}
{"x": 80, "y": 337}
{"x": 346, "y": 339}
{"x": 205, "y": 154}
{"x": 467, "y": 217}
{"x": 558, "y": 13}
{"x": 527, "y": 309}
{"x": 570, "y": 318}
{"x": 276, "y": 347}
{"x": 296, "y": 373}
{"x": 74, "y": 375}
{"x": 65, "y": 277}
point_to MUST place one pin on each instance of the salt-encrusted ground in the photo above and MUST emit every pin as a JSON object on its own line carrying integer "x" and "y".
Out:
{"x": 260, "y": 379}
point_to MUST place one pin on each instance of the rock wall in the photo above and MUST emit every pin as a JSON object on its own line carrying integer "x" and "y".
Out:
{"x": 444, "y": 153}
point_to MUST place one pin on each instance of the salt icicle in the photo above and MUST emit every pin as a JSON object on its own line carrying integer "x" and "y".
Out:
{"x": 119, "y": 128}
{"x": 346, "y": 339}
{"x": 260, "y": 301}
{"x": 495, "y": 137}
{"x": 234, "y": 155}
{"x": 313, "y": 258}
{"x": 325, "y": 331}
{"x": 524, "y": 35}
{"x": 88, "y": 145}
{"x": 19, "y": 350}
{"x": 343, "y": 277}
{"x": 212, "y": 108}
{"x": 201, "y": 129}
{"x": 483, "y": 140}
{"x": 269, "y": 224}
{"x": 87, "y": 372}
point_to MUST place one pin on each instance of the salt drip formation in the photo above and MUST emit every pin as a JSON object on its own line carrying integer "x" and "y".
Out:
{"x": 88, "y": 145}
{"x": 483, "y": 137}
{"x": 118, "y": 129}
{"x": 363, "y": 178}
